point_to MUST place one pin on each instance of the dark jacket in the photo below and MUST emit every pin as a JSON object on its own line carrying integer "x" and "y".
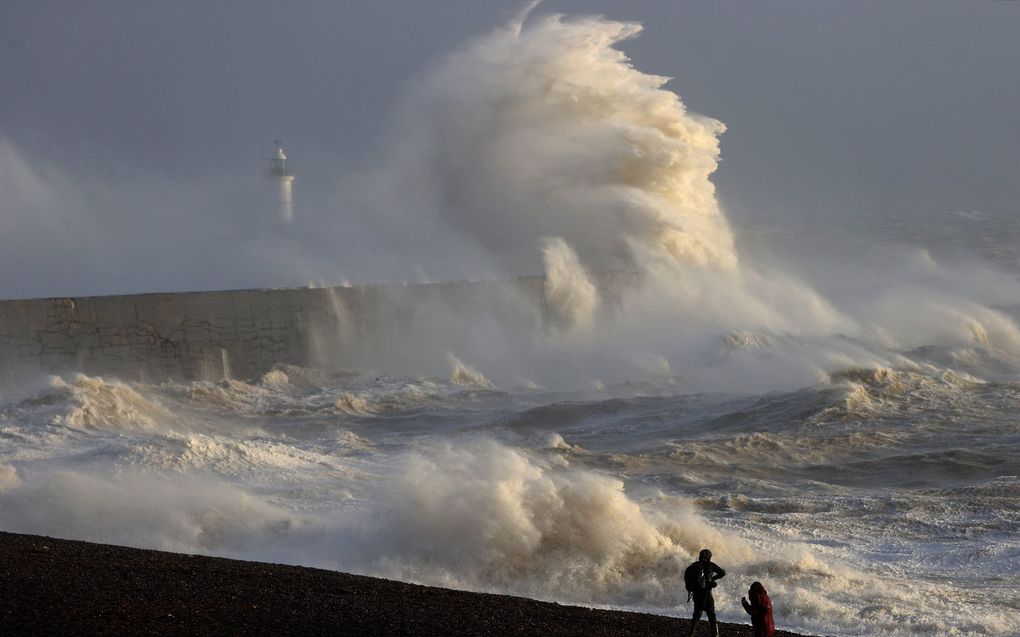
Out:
{"x": 760, "y": 610}
{"x": 712, "y": 573}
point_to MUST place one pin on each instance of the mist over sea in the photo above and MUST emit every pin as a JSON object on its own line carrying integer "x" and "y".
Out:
{"x": 830, "y": 406}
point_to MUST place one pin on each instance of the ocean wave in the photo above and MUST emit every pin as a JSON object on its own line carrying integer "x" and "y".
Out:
{"x": 93, "y": 403}
{"x": 873, "y": 391}
{"x": 565, "y": 415}
{"x": 139, "y": 509}
{"x": 226, "y": 396}
{"x": 488, "y": 517}
{"x": 253, "y": 457}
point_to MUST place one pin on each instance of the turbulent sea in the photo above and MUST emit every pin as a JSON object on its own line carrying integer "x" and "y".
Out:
{"x": 839, "y": 423}
{"x": 881, "y": 501}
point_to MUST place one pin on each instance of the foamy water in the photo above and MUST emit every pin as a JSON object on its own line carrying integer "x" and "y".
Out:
{"x": 842, "y": 429}
{"x": 880, "y": 501}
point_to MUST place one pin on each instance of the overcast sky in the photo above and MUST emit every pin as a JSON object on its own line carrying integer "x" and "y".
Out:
{"x": 834, "y": 109}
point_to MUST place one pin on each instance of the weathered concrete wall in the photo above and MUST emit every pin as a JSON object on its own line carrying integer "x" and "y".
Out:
{"x": 243, "y": 333}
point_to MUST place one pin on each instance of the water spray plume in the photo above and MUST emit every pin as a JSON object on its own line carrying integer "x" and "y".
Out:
{"x": 544, "y": 128}
{"x": 518, "y": 22}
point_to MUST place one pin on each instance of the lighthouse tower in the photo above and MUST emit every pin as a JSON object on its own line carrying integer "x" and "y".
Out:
{"x": 283, "y": 184}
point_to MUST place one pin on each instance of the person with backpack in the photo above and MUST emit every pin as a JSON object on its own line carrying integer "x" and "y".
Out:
{"x": 760, "y": 610}
{"x": 699, "y": 578}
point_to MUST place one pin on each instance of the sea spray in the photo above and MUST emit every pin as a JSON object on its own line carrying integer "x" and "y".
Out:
{"x": 835, "y": 495}
{"x": 538, "y": 147}
{"x": 144, "y": 510}
{"x": 8, "y": 478}
{"x": 482, "y": 515}
{"x": 101, "y": 404}
{"x": 464, "y": 374}
{"x": 569, "y": 293}
{"x": 547, "y": 130}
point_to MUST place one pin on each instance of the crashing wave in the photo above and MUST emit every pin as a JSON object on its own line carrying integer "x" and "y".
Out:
{"x": 464, "y": 374}
{"x": 90, "y": 402}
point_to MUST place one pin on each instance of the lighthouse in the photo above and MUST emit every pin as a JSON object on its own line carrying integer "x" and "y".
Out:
{"x": 283, "y": 184}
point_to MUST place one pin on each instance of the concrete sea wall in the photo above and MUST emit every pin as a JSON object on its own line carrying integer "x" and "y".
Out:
{"x": 244, "y": 333}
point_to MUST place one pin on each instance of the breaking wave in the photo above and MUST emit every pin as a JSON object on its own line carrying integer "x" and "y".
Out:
{"x": 546, "y": 130}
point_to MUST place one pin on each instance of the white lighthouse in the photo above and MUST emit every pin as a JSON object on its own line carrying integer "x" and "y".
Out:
{"x": 283, "y": 184}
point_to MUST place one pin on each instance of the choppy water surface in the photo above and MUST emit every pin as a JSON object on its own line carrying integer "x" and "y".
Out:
{"x": 879, "y": 501}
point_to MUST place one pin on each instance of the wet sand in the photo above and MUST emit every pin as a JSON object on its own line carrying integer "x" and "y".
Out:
{"x": 61, "y": 587}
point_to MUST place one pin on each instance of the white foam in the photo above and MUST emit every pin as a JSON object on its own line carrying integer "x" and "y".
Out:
{"x": 89, "y": 402}
{"x": 464, "y": 374}
{"x": 571, "y": 296}
{"x": 185, "y": 515}
{"x": 546, "y": 130}
{"x": 484, "y": 516}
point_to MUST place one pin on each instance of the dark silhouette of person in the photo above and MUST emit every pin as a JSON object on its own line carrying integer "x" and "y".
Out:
{"x": 700, "y": 578}
{"x": 760, "y": 610}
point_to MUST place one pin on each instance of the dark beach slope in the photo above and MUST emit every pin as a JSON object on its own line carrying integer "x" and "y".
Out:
{"x": 61, "y": 587}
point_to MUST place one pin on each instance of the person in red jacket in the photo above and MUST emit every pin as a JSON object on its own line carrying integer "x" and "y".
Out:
{"x": 760, "y": 610}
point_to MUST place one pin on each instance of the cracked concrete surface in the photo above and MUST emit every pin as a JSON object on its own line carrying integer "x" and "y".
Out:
{"x": 243, "y": 333}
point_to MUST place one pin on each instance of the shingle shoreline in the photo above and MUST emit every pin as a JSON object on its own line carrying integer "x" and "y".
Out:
{"x": 51, "y": 586}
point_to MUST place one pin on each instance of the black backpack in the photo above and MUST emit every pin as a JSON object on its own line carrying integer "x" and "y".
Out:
{"x": 694, "y": 579}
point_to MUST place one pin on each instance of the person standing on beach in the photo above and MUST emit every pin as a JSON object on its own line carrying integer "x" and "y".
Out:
{"x": 760, "y": 610}
{"x": 700, "y": 579}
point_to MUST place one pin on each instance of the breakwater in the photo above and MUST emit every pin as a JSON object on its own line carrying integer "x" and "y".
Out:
{"x": 244, "y": 333}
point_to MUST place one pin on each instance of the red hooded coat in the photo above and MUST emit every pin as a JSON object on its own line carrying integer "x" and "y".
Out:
{"x": 760, "y": 610}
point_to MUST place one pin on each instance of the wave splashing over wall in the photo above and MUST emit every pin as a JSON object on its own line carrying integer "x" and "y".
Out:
{"x": 546, "y": 130}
